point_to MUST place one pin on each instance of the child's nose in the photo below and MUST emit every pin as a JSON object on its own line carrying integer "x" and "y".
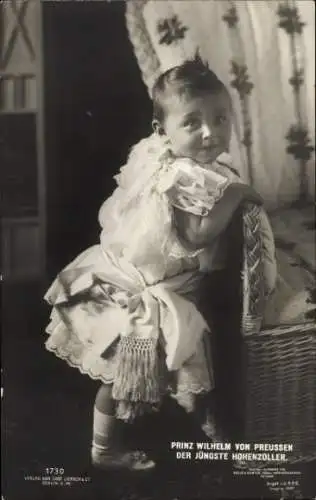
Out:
{"x": 206, "y": 131}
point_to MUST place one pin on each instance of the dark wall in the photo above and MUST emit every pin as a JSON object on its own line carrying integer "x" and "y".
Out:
{"x": 18, "y": 165}
{"x": 96, "y": 107}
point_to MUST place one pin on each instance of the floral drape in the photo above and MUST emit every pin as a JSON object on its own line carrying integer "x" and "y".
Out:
{"x": 264, "y": 51}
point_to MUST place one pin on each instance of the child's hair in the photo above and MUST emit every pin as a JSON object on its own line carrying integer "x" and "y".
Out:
{"x": 193, "y": 78}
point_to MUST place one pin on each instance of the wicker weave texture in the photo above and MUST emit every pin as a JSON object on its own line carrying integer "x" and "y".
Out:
{"x": 281, "y": 389}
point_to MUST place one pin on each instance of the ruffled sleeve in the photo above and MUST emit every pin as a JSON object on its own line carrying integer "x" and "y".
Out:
{"x": 127, "y": 215}
{"x": 192, "y": 188}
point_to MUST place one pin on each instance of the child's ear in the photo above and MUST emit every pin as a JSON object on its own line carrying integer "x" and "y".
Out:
{"x": 157, "y": 127}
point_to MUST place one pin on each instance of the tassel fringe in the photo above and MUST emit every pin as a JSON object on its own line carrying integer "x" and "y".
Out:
{"x": 138, "y": 377}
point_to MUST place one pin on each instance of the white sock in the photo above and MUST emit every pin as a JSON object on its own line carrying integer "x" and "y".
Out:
{"x": 103, "y": 430}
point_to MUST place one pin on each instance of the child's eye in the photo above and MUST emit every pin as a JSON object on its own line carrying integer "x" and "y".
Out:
{"x": 191, "y": 123}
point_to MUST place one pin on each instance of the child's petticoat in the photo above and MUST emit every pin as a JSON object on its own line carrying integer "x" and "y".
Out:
{"x": 111, "y": 325}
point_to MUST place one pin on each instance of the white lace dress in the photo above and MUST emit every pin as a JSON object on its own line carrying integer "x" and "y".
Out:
{"x": 123, "y": 311}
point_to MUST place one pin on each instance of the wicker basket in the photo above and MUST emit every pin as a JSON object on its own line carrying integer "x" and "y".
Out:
{"x": 281, "y": 388}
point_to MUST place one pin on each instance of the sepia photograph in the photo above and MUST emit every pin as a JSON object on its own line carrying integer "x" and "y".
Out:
{"x": 157, "y": 162}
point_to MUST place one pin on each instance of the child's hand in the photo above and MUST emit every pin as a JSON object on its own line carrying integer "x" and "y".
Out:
{"x": 200, "y": 231}
{"x": 246, "y": 193}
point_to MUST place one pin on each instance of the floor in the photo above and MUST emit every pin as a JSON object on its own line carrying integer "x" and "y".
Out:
{"x": 47, "y": 425}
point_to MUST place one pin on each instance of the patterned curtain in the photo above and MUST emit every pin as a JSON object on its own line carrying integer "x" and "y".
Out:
{"x": 264, "y": 51}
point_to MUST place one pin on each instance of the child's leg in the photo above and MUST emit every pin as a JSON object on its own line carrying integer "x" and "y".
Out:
{"x": 103, "y": 419}
{"x": 208, "y": 418}
{"x": 106, "y": 452}
{"x": 104, "y": 401}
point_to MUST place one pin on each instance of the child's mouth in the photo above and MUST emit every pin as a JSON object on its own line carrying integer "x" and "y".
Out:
{"x": 211, "y": 147}
{"x": 210, "y": 152}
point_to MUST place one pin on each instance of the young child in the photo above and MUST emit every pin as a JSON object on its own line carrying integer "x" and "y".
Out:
{"x": 125, "y": 311}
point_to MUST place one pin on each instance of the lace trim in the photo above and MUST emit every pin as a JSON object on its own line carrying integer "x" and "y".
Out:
{"x": 186, "y": 396}
{"x": 190, "y": 187}
{"x": 77, "y": 355}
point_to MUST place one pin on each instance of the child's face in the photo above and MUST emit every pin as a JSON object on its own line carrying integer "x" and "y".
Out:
{"x": 199, "y": 127}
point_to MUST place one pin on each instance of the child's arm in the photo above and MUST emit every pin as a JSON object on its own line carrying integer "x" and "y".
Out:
{"x": 200, "y": 231}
